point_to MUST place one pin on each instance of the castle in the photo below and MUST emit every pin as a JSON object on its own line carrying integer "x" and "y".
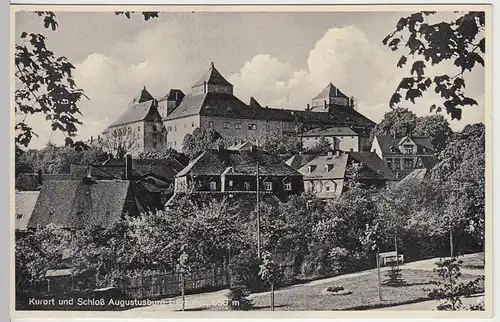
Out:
{"x": 153, "y": 123}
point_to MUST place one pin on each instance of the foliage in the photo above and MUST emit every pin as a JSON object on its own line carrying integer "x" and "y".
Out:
{"x": 461, "y": 41}
{"x": 451, "y": 290}
{"x": 36, "y": 252}
{"x": 243, "y": 270}
{"x": 121, "y": 141}
{"x": 322, "y": 147}
{"x": 436, "y": 128}
{"x": 201, "y": 140}
{"x": 270, "y": 272}
{"x": 398, "y": 122}
{"x": 164, "y": 154}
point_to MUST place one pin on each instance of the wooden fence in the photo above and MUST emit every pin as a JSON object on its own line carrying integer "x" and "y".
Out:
{"x": 169, "y": 284}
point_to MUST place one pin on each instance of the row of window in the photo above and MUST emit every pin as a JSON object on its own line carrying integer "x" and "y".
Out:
{"x": 407, "y": 163}
{"x": 268, "y": 186}
{"x": 237, "y": 126}
{"x": 171, "y": 128}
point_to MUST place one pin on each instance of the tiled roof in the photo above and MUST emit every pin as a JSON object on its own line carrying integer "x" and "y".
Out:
{"x": 165, "y": 168}
{"x": 143, "y": 96}
{"x": 298, "y": 160}
{"x": 134, "y": 113}
{"x": 330, "y": 91}
{"x": 76, "y": 204}
{"x": 214, "y": 163}
{"x": 331, "y": 131}
{"x": 212, "y": 76}
{"x": 319, "y": 167}
{"x": 25, "y": 203}
{"x": 173, "y": 95}
{"x": 417, "y": 174}
{"x": 377, "y": 168}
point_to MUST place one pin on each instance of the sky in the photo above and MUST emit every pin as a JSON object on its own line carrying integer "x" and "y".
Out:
{"x": 281, "y": 59}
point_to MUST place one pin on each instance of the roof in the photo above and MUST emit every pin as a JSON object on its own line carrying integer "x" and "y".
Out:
{"x": 214, "y": 163}
{"x": 77, "y": 204}
{"x": 299, "y": 160}
{"x": 386, "y": 141}
{"x": 241, "y": 146}
{"x": 212, "y": 76}
{"x": 165, "y": 168}
{"x": 25, "y": 203}
{"x": 377, "y": 167}
{"x": 340, "y": 115}
{"x": 173, "y": 95}
{"x": 319, "y": 169}
{"x": 331, "y": 131}
{"x": 330, "y": 91}
{"x": 143, "y": 96}
{"x": 135, "y": 113}
{"x": 417, "y": 174}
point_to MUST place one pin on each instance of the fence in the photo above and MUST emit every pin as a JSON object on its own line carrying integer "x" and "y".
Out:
{"x": 169, "y": 284}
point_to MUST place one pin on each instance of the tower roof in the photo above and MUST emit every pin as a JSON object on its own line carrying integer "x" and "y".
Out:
{"x": 212, "y": 76}
{"x": 143, "y": 96}
{"x": 330, "y": 91}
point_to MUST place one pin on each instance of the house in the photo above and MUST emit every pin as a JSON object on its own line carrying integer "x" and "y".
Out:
{"x": 405, "y": 154}
{"x": 227, "y": 171}
{"x": 139, "y": 128}
{"x": 33, "y": 181}
{"x": 24, "y": 206}
{"x": 76, "y": 204}
{"x": 212, "y": 104}
{"x": 326, "y": 175}
{"x": 343, "y": 138}
{"x": 299, "y": 160}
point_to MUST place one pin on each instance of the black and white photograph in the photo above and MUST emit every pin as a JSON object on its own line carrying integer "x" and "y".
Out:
{"x": 249, "y": 159}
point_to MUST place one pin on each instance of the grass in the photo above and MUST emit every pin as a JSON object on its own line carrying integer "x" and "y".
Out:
{"x": 475, "y": 261}
{"x": 364, "y": 293}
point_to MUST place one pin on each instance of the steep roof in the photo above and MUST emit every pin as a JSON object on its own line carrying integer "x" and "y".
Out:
{"x": 340, "y": 116}
{"x": 213, "y": 163}
{"x": 77, "y": 204}
{"x": 25, "y": 203}
{"x": 165, "y": 168}
{"x": 319, "y": 169}
{"x": 330, "y": 91}
{"x": 377, "y": 168}
{"x": 386, "y": 141}
{"x": 212, "y": 76}
{"x": 143, "y": 96}
{"x": 135, "y": 113}
{"x": 173, "y": 95}
{"x": 299, "y": 160}
{"x": 245, "y": 145}
{"x": 417, "y": 174}
{"x": 331, "y": 131}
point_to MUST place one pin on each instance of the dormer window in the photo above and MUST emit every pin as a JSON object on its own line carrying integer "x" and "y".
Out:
{"x": 311, "y": 168}
{"x": 328, "y": 167}
{"x": 268, "y": 186}
{"x": 408, "y": 149}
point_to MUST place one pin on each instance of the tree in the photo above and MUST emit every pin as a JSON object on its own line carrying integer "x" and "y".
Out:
{"x": 461, "y": 41}
{"x": 201, "y": 140}
{"x": 398, "y": 122}
{"x": 322, "y": 147}
{"x": 435, "y": 127}
{"x": 271, "y": 273}
{"x": 45, "y": 85}
{"x": 284, "y": 146}
{"x": 120, "y": 142}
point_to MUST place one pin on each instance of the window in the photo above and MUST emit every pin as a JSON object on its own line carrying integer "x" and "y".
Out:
{"x": 252, "y": 127}
{"x": 247, "y": 185}
{"x": 238, "y": 126}
{"x": 211, "y": 124}
{"x": 213, "y": 186}
{"x": 175, "y": 127}
{"x": 225, "y": 125}
{"x": 408, "y": 163}
{"x": 192, "y": 124}
{"x": 175, "y": 143}
{"x": 268, "y": 186}
{"x": 268, "y": 127}
{"x": 397, "y": 164}
{"x": 328, "y": 167}
{"x": 311, "y": 168}
{"x": 408, "y": 149}
{"x": 389, "y": 163}
{"x": 231, "y": 183}
{"x": 288, "y": 186}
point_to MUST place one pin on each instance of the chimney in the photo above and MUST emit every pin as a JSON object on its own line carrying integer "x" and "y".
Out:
{"x": 220, "y": 147}
{"x": 128, "y": 167}
{"x": 212, "y": 64}
{"x": 252, "y": 148}
{"x": 338, "y": 152}
{"x": 308, "y": 107}
{"x": 91, "y": 139}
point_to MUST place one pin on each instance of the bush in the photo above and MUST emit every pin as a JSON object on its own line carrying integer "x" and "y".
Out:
{"x": 244, "y": 270}
{"x": 238, "y": 297}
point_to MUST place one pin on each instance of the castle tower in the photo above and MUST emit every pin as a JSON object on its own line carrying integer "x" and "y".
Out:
{"x": 330, "y": 96}
{"x": 212, "y": 82}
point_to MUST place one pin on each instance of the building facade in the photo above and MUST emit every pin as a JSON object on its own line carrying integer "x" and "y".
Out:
{"x": 404, "y": 154}
{"x": 139, "y": 129}
{"x": 341, "y": 138}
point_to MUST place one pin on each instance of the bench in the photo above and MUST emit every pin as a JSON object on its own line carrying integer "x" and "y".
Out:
{"x": 390, "y": 257}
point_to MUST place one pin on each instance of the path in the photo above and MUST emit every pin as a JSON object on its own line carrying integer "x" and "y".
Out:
{"x": 218, "y": 298}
